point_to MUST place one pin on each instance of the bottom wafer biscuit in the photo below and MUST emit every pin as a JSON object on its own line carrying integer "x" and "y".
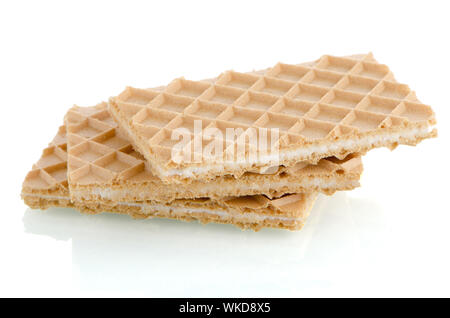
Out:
{"x": 46, "y": 185}
{"x": 288, "y": 212}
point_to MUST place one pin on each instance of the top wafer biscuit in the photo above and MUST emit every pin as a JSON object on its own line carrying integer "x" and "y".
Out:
{"x": 330, "y": 107}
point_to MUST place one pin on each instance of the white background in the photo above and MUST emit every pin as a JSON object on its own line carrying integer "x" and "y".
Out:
{"x": 388, "y": 238}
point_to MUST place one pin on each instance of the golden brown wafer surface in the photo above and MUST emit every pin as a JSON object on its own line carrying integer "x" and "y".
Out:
{"x": 330, "y": 107}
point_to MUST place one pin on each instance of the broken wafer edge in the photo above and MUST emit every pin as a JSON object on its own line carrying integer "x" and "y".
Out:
{"x": 330, "y": 107}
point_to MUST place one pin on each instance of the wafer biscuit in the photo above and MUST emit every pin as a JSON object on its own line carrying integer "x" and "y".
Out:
{"x": 330, "y": 107}
{"x": 46, "y": 185}
{"x": 104, "y": 166}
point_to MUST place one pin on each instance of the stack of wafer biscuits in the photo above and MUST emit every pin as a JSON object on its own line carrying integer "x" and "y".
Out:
{"x": 191, "y": 150}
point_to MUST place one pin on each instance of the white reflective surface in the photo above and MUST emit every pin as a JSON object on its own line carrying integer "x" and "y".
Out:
{"x": 350, "y": 246}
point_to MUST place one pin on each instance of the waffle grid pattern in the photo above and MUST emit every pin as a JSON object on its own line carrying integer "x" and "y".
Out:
{"x": 50, "y": 172}
{"x": 331, "y": 97}
{"x": 97, "y": 152}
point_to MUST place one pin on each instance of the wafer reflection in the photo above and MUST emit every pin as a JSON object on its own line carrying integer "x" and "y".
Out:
{"x": 112, "y": 252}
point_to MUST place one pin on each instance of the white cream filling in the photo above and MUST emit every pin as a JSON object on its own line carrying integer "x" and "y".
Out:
{"x": 150, "y": 209}
{"x": 350, "y": 145}
{"x": 47, "y": 197}
{"x": 112, "y": 194}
